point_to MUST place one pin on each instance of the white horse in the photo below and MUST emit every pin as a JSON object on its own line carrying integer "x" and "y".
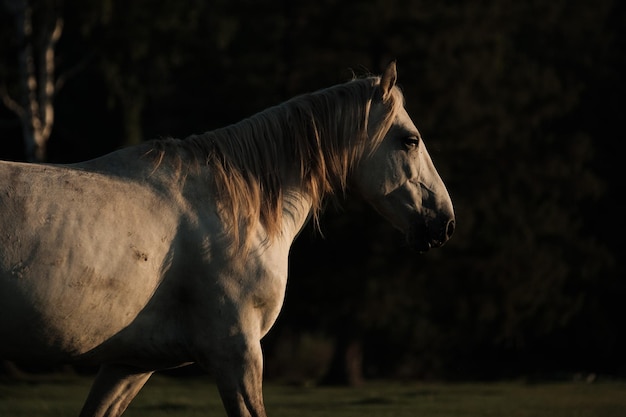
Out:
{"x": 175, "y": 251}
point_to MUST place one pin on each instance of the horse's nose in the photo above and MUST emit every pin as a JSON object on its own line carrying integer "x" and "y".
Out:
{"x": 450, "y": 229}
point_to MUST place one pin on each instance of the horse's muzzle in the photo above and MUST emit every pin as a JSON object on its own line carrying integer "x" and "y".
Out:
{"x": 424, "y": 236}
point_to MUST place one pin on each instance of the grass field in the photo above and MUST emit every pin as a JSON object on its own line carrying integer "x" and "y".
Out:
{"x": 190, "y": 397}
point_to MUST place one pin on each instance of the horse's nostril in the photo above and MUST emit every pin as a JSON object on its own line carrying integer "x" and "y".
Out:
{"x": 450, "y": 229}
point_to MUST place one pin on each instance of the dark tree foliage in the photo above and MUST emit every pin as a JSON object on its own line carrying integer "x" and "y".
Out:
{"x": 520, "y": 107}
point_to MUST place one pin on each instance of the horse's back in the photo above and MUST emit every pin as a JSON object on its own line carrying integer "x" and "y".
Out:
{"x": 81, "y": 254}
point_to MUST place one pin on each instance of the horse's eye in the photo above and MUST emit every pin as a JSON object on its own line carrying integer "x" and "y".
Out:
{"x": 411, "y": 142}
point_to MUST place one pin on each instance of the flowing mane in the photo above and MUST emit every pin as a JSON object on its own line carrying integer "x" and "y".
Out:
{"x": 320, "y": 135}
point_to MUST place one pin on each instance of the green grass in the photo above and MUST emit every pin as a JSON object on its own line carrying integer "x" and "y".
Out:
{"x": 190, "y": 397}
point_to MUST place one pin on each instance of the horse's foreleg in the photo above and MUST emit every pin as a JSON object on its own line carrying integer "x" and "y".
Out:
{"x": 114, "y": 388}
{"x": 239, "y": 371}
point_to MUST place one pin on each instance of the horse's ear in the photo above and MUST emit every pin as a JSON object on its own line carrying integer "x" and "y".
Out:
{"x": 388, "y": 80}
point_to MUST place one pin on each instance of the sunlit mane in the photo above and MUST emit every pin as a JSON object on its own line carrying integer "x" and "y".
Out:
{"x": 321, "y": 136}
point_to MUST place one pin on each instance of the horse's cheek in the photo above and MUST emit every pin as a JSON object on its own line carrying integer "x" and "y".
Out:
{"x": 403, "y": 173}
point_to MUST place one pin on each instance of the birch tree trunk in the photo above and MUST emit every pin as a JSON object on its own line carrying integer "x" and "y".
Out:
{"x": 34, "y": 104}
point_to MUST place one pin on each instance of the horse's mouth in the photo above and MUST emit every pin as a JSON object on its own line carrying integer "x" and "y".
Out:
{"x": 417, "y": 237}
{"x": 422, "y": 237}
{"x": 421, "y": 247}
{"x": 419, "y": 244}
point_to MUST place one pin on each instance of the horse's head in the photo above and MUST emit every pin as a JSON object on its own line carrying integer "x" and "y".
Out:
{"x": 398, "y": 177}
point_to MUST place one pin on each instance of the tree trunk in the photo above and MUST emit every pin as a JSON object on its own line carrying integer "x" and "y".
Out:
{"x": 346, "y": 366}
{"x": 36, "y": 78}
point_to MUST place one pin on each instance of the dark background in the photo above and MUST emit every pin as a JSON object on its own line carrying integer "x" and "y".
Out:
{"x": 521, "y": 107}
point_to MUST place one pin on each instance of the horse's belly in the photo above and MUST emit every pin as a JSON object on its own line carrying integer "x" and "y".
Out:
{"x": 67, "y": 308}
{"x": 43, "y": 322}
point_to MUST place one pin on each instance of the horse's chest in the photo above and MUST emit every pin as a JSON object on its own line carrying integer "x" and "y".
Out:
{"x": 257, "y": 290}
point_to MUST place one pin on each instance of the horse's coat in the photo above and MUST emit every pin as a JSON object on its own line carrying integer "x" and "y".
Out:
{"x": 174, "y": 252}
